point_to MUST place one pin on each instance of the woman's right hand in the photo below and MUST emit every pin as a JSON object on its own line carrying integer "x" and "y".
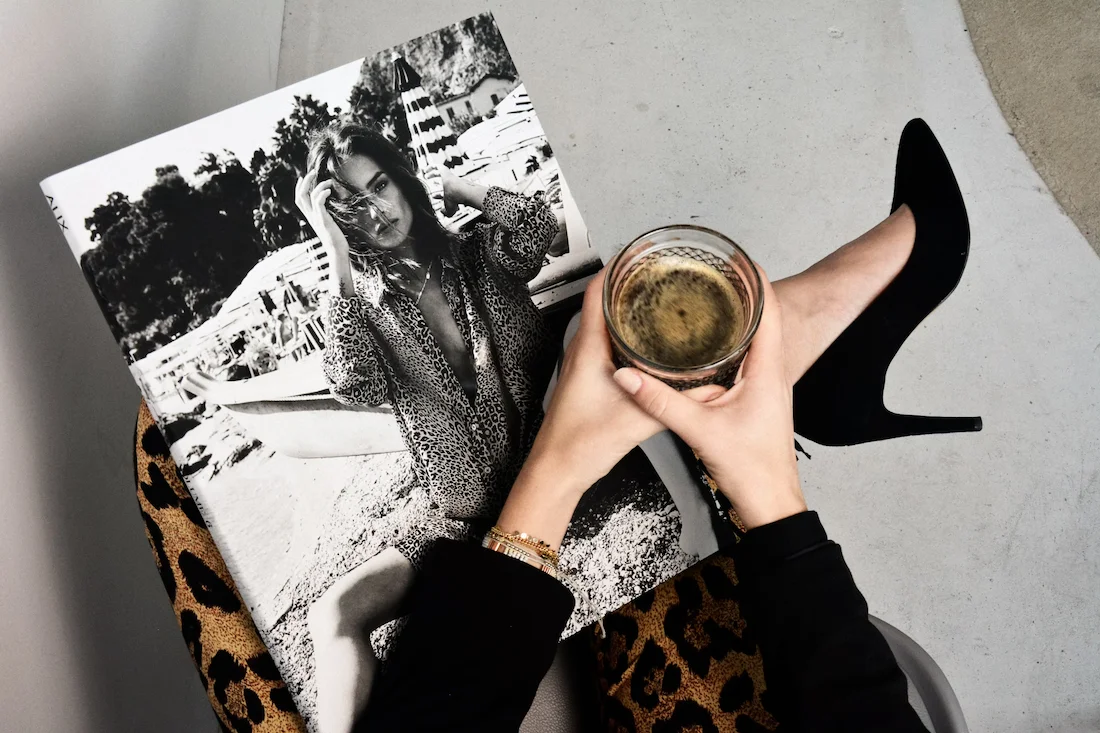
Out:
{"x": 590, "y": 424}
{"x": 744, "y": 437}
{"x": 310, "y": 197}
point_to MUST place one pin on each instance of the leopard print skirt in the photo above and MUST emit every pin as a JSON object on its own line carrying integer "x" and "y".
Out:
{"x": 678, "y": 658}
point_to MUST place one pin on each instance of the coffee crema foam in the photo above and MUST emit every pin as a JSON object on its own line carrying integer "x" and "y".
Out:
{"x": 679, "y": 312}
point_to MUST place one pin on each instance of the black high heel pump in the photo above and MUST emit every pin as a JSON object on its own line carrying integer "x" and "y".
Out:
{"x": 838, "y": 401}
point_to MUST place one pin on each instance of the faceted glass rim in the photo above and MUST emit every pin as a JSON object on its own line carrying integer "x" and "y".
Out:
{"x": 754, "y": 320}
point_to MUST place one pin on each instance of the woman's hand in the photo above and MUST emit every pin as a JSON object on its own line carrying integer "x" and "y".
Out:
{"x": 453, "y": 191}
{"x": 310, "y": 198}
{"x": 591, "y": 423}
{"x": 588, "y": 428}
{"x": 745, "y": 437}
{"x": 436, "y": 181}
{"x": 553, "y": 192}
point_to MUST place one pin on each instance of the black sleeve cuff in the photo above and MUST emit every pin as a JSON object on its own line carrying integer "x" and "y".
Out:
{"x": 475, "y": 604}
{"x": 771, "y": 544}
{"x": 482, "y": 632}
{"x": 474, "y": 575}
{"x": 797, "y": 587}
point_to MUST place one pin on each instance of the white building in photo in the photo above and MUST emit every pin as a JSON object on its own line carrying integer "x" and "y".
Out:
{"x": 479, "y": 99}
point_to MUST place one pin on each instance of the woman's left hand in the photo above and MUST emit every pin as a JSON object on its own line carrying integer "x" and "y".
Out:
{"x": 590, "y": 425}
{"x": 451, "y": 188}
{"x": 443, "y": 186}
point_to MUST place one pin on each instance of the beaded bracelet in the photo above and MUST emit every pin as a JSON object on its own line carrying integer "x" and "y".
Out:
{"x": 518, "y": 552}
{"x": 541, "y": 548}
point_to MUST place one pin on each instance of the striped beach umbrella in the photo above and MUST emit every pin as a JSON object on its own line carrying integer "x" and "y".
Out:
{"x": 432, "y": 138}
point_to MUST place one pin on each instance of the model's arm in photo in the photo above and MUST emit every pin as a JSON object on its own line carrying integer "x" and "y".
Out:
{"x": 521, "y": 229}
{"x": 351, "y": 363}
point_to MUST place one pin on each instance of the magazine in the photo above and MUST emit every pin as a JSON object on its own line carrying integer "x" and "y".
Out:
{"x": 329, "y": 435}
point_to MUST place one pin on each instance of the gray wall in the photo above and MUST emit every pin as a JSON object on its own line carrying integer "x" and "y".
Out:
{"x": 88, "y": 641}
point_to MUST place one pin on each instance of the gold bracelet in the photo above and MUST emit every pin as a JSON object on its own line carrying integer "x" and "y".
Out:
{"x": 520, "y": 553}
{"x": 543, "y": 549}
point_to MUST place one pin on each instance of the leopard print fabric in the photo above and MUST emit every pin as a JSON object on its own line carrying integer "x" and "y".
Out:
{"x": 380, "y": 349}
{"x": 680, "y": 658}
{"x": 241, "y": 680}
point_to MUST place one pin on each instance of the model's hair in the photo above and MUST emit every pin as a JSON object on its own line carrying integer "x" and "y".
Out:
{"x": 331, "y": 147}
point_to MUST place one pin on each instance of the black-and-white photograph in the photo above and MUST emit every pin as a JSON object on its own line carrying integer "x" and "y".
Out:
{"x": 345, "y": 303}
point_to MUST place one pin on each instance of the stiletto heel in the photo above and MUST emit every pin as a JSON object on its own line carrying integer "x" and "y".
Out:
{"x": 893, "y": 425}
{"x": 839, "y": 401}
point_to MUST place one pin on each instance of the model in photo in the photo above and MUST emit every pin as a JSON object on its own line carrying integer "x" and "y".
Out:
{"x": 442, "y": 328}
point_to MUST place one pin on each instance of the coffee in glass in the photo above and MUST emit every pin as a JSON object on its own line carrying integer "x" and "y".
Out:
{"x": 682, "y": 303}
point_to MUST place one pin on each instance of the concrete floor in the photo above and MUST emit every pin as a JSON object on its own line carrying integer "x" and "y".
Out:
{"x": 777, "y": 123}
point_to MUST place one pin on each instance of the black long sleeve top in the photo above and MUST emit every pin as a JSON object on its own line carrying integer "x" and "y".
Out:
{"x": 483, "y": 629}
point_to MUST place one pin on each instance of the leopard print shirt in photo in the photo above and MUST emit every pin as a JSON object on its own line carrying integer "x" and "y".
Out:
{"x": 381, "y": 350}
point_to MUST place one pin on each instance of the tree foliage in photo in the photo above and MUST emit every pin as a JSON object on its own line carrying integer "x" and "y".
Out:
{"x": 163, "y": 264}
{"x": 277, "y": 216}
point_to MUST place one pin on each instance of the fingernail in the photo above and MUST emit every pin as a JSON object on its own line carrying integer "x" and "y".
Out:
{"x": 628, "y": 379}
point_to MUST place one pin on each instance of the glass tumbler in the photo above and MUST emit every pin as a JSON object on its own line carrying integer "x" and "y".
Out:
{"x": 705, "y": 246}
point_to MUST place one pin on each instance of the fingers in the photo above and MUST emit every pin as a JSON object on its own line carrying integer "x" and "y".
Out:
{"x": 320, "y": 195}
{"x": 299, "y": 193}
{"x": 591, "y": 339}
{"x": 592, "y": 330}
{"x": 592, "y": 309}
{"x": 766, "y": 352}
{"x": 305, "y": 185}
{"x": 679, "y": 413}
{"x": 706, "y": 393}
{"x": 305, "y": 191}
